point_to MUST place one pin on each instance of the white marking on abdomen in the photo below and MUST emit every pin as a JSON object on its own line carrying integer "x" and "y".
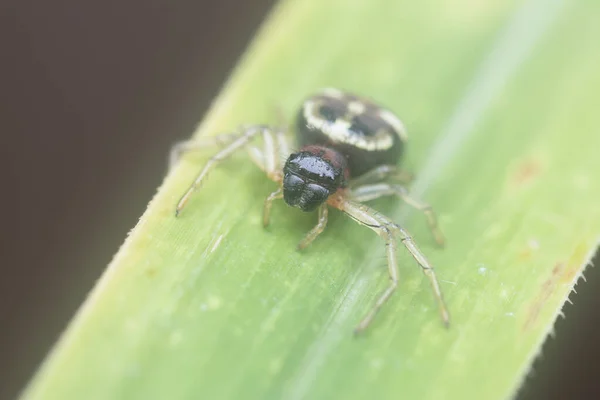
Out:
{"x": 339, "y": 131}
{"x": 395, "y": 122}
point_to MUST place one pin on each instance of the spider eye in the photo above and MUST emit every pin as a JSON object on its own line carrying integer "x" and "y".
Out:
{"x": 305, "y": 196}
{"x": 292, "y": 184}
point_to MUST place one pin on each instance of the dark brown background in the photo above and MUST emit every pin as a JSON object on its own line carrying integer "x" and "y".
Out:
{"x": 93, "y": 93}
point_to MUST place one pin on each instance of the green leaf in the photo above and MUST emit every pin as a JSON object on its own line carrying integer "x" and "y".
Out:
{"x": 500, "y": 100}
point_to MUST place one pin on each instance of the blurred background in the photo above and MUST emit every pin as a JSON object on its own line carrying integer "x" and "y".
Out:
{"x": 93, "y": 94}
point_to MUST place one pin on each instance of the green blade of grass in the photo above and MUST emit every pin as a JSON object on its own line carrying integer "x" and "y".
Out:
{"x": 500, "y": 102}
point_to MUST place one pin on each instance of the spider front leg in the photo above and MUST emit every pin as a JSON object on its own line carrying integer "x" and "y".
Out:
{"x": 266, "y": 160}
{"x": 198, "y": 144}
{"x": 279, "y": 154}
{"x": 278, "y": 194}
{"x": 316, "y": 231}
{"x": 376, "y": 190}
{"x": 388, "y": 230}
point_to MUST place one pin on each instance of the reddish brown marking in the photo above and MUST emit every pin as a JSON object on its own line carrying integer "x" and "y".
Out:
{"x": 525, "y": 172}
{"x": 337, "y": 199}
{"x": 529, "y": 250}
{"x": 334, "y": 157}
{"x": 546, "y": 291}
{"x": 562, "y": 273}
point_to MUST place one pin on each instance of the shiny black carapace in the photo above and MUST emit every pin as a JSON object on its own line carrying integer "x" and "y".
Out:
{"x": 348, "y": 155}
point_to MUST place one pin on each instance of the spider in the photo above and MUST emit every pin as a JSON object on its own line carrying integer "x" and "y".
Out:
{"x": 349, "y": 149}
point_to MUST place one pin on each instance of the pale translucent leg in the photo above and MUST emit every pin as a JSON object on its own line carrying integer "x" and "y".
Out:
{"x": 283, "y": 146}
{"x": 198, "y": 144}
{"x": 376, "y": 190}
{"x": 273, "y": 163}
{"x": 278, "y": 194}
{"x": 316, "y": 231}
{"x": 267, "y": 160}
{"x": 280, "y": 155}
{"x": 383, "y": 172}
{"x": 388, "y": 230}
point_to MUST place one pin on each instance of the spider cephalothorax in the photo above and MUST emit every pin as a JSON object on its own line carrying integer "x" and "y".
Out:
{"x": 349, "y": 151}
{"x": 313, "y": 174}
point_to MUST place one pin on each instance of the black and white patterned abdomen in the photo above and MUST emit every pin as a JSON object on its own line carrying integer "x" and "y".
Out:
{"x": 366, "y": 134}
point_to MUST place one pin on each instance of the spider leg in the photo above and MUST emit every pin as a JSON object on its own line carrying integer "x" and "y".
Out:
{"x": 283, "y": 146}
{"x": 273, "y": 166}
{"x": 279, "y": 154}
{"x": 388, "y": 230}
{"x": 374, "y": 191}
{"x": 198, "y": 144}
{"x": 278, "y": 194}
{"x": 239, "y": 141}
{"x": 316, "y": 231}
{"x": 383, "y": 172}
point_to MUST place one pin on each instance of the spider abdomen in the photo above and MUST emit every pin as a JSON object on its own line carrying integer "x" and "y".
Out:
{"x": 367, "y": 134}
